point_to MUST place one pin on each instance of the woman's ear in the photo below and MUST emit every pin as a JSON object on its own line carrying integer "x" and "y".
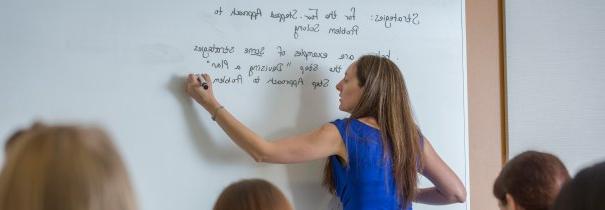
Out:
{"x": 511, "y": 204}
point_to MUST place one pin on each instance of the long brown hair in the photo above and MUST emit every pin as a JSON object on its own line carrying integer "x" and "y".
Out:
{"x": 64, "y": 167}
{"x": 533, "y": 179}
{"x": 252, "y": 194}
{"x": 386, "y": 99}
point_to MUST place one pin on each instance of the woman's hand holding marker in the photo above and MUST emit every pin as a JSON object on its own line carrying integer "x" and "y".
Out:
{"x": 204, "y": 84}
{"x": 205, "y": 96}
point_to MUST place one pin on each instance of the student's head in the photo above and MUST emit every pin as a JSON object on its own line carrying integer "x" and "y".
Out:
{"x": 530, "y": 181}
{"x": 586, "y": 191}
{"x": 374, "y": 86}
{"x": 252, "y": 194}
{"x": 64, "y": 167}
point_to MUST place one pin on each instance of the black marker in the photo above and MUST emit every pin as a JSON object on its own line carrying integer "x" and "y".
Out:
{"x": 203, "y": 84}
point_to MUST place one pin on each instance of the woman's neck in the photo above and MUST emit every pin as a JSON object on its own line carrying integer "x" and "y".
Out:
{"x": 370, "y": 121}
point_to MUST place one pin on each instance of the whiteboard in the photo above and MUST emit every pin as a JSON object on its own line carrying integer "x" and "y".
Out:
{"x": 121, "y": 65}
{"x": 555, "y": 79}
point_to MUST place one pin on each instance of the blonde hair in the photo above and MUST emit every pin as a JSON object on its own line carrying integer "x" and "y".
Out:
{"x": 64, "y": 168}
{"x": 252, "y": 194}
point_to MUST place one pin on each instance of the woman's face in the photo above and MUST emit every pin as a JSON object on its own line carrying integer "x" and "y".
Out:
{"x": 349, "y": 90}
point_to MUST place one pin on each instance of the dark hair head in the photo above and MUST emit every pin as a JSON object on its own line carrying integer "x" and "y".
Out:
{"x": 252, "y": 194}
{"x": 586, "y": 191}
{"x": 533, "y": 179}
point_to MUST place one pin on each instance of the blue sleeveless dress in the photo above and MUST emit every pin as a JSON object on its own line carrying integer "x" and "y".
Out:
{"x": 367, "y": 182}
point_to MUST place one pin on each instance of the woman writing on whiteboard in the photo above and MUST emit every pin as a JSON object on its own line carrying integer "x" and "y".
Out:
{"x": 374, "y": 156}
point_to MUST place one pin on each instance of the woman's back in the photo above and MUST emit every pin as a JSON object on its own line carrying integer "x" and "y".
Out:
{"x": 366, "y": 182}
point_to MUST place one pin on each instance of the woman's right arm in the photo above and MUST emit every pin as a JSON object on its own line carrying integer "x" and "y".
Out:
{"x": 319, "y": 143}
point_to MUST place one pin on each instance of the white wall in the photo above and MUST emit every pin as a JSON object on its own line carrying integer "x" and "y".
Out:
{"x": 556, "y": 98}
